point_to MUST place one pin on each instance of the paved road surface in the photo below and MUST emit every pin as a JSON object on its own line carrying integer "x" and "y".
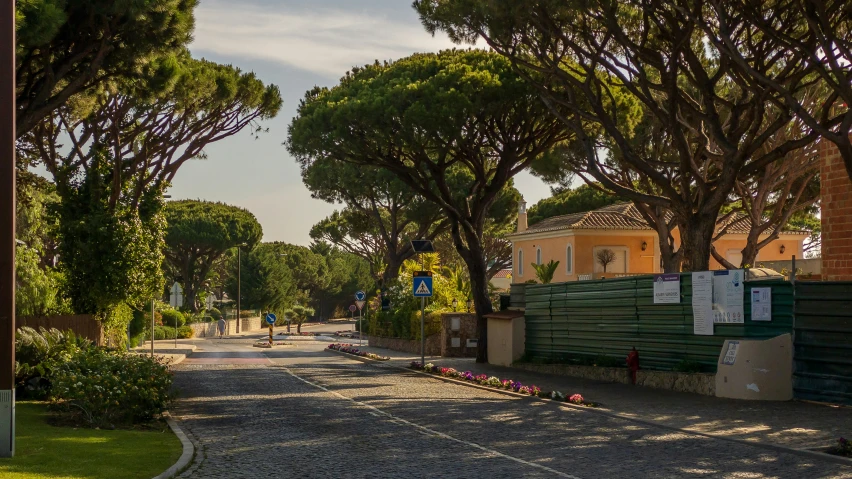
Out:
{"x": 301, "y": 411}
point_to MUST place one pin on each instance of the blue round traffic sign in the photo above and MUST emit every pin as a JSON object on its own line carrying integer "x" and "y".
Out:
{"x": 360, "y": 296}
{"x": 270, "y": 318}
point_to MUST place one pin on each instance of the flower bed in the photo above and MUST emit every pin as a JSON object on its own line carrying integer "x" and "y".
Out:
{"x": 842, "y": 448}
{"x": 349, "y": 349}
{"x": 506, "y": 384}
{"x": 265, "y": 344}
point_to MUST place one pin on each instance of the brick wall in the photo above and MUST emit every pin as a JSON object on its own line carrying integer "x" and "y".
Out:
{"x": 836, "y": 205}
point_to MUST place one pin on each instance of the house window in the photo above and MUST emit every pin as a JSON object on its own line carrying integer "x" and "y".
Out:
{"x": 569, "y": 260}
{"x": 538, "y": 256}
{"x": 520, "y": 262}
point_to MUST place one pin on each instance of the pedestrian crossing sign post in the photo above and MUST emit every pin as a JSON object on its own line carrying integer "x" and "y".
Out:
{"x": 423, "y": 284}
{"x": 422, "y": 290}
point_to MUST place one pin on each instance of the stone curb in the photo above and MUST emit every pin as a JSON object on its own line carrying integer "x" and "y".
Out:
{"x": 185, "y": 458}
{"x": 774, "y": 447}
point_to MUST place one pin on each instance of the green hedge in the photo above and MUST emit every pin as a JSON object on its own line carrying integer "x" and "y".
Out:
{"x": 166, "y": 332}
{"x": 172, "y": 317}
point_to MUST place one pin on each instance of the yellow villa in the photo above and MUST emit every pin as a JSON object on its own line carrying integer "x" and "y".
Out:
{"x": 575, "y": 240}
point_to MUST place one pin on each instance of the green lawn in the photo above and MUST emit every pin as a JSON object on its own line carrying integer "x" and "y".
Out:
{"x": 45, "y": 451}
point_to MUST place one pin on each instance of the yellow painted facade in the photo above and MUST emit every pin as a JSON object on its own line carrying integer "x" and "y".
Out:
{"x": 575, "y": 250}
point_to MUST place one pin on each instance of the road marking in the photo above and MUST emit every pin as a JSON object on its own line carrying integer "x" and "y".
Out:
{"x": 425, "y": 430}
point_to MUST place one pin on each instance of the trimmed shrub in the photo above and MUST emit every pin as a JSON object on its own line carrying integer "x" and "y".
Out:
{"x": 38, "y": 353}
{"x": 172, "y": 317}
{"x": 167, "y": 332}
{"x": 108, "y": 388}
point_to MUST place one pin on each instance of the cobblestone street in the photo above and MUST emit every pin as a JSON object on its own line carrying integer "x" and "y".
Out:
{"x": 316, "y": 414}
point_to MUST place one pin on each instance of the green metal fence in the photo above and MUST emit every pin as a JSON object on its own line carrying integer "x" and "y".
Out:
{"x": 590, "y": 319}
{"x": 823, "y": 342}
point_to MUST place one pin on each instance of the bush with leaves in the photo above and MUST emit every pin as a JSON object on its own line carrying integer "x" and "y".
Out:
{"x": 38, "y": 353}
{"x": 545, "y": 272}
{"x": 168, "y": 332}
{"x": 110, "y": 388}
{"x": 214, "y": 313}
{"x": 172, "y": 317}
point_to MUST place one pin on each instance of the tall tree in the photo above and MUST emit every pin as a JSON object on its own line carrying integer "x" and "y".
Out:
{"x": 67, "y": 47}
{"x": 382, "y": 213}
{"x": 455, "y": 127}
{"x": 809, "y": 41}
{"x": 580, "y": 56}
{"x": 201, "y": 232}
{"x": 126, "y": 143}
{"x": 265, "y": 282}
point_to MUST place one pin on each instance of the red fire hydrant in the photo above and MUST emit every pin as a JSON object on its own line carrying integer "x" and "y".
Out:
{"x": 633, "y": 364}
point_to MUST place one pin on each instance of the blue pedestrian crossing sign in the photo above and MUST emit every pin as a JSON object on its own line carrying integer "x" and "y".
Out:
{"x": 270, "y": 318}
{"x": 422, "y": 284}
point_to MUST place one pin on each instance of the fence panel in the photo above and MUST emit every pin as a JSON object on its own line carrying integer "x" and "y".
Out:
{"x": 84, "y": 325}
{"x": 584, "y": 320}
{"x": 823, "y": 342}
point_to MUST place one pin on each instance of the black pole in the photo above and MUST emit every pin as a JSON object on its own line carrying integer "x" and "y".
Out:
{"x": 7, "y": 228}
{"x": 239, "y": 280}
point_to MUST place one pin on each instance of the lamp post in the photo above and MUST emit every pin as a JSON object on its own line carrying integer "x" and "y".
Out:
{"x": 7, "y": 228}
{"x": 455, "y": 305}
{"x": 239, "y": 281}
{"x": 469, "y": 304}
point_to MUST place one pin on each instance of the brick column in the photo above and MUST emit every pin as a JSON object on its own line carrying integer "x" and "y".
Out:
{"x": 836, "y": 215}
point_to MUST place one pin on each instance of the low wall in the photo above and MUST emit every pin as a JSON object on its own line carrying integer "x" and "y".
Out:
{"x": 433, "y": 344}
{"x": 466, "y": 323}
{"x": 697, "y": 383}
{"x": 208, "y": 330}
{"x": 84, "y": 325}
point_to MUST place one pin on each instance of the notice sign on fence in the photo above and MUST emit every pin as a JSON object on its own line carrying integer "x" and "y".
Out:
{"x": 702, "y": 303}
{"x": 728, "y": 293}
{"x": 761, "y": 304}
{"x": 666, "y": 288}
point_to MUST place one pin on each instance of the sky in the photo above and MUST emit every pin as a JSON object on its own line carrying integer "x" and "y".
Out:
{"x": 296, "y": 45}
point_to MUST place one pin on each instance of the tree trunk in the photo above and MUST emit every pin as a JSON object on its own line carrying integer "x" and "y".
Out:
{"x": 696, "y": 238}
{"x": 299, "y": 327}
{"x": 189, "y": 295}
{"x": 391, "y": 271}
{"x": 751, "y": 249}
{"x": 474, "y": 258}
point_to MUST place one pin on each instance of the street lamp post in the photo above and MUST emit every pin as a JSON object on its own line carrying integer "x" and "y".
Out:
{"x": 239, "y": 282}
{"x": 455, "y": 305}
{"x": 7, "y": 228}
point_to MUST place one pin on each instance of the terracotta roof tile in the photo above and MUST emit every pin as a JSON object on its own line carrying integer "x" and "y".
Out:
{"x": 624, "y": 216}
{"x": 503, "y": 273}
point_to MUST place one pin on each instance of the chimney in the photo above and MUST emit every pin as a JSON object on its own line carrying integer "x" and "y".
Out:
{"x": 522, "y": 215}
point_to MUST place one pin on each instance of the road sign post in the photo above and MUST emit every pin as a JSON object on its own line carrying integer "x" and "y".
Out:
{"x": 270, "y": 320}
{"x": 422, "y": 289}
{"x": 360, "y": 304}
{"x": 176, "y": 300}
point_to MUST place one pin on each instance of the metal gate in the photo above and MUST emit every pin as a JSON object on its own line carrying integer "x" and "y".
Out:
{"x": 823, "y": 342}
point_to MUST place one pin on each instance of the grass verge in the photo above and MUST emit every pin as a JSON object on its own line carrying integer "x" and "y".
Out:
{"x": 43, "y": 451}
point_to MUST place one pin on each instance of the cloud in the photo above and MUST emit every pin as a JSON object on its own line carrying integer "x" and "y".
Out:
{"x": 325, "y": 41}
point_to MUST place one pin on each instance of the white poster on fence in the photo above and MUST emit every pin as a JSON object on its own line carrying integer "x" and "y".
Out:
{"x": 728, "y": 293}
{"x": 667, "y": 288}
{"x": 761, "y": 304}
{"x": 702, "y": 303}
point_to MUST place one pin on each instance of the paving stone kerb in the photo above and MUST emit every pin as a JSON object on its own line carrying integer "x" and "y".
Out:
{"x": 331, "y": 417}
{"x": 792, "y": 424}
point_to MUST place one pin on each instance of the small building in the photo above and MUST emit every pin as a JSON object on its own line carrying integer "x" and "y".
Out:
{"x": 575, "y": 240}
{"x": 502, "y": 280}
